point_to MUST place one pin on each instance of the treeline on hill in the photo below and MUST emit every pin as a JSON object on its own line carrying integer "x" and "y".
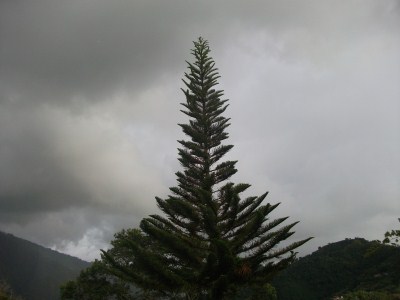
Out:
{"x": 340, "y": 268}
{"x": 32, "y": 271}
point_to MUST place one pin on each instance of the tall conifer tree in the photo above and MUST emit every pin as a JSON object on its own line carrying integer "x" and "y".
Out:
{"x": 209, "y": 240}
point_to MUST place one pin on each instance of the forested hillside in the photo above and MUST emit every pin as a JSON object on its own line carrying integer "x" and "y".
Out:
{"x": 35, "y": 272}
{"x": 348, "y": 265}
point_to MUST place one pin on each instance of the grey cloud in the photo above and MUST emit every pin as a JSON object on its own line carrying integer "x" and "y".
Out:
{"x": 91, "y": 49}
{"x": 31, "y": 178}
{"x": 52, "y": 160}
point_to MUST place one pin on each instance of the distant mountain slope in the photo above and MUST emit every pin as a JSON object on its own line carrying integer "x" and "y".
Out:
{"x": 35, "y": 272}
{"x": 344, "y": 266}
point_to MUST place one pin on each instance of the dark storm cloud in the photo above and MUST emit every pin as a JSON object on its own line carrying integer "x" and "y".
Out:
{"x": 89, "y": 94}
{"x": 32, "y": 179}
{"x": 55, "y": 51}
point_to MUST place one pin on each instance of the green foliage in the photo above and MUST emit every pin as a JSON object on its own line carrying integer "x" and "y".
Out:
{"x": 392, "y": 237}
{"x": 256, "y": 292}
{"x": 95, "y": 283}
{"x": 364, "y": 295}
{"x": 341, "y": 267}
{"x": 209, "y": 240}
{"x": 6, "y": 292}
{"x": 112, "y": 276}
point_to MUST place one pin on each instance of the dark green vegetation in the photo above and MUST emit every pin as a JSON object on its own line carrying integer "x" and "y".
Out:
{"x": 371, "y": 295}
{"x": 392, "y": 237}
{"x": 209, "y": 241}
{"x": 356, "y": 269}
{"x": 32, "y": 271}
{"x": 97, "y": 283}
{"x": 340, "y": 268}
{"x": 6, "y": 293}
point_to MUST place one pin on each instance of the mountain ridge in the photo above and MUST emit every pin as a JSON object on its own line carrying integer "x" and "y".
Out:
{"x": 35, "y": 272}
{"x": 339, "y": 268}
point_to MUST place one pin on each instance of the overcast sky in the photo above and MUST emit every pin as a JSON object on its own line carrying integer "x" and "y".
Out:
{"x": 89, "y": 106}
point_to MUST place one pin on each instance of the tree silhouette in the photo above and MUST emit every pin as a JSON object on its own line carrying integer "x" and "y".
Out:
{"x": 209, "y": 240}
